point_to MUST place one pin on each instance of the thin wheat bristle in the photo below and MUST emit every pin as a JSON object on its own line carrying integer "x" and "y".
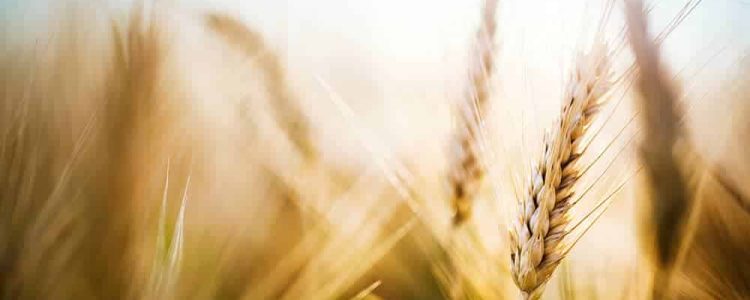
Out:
{"x": 540, "y": 227}
{"x": 467, "y": 169}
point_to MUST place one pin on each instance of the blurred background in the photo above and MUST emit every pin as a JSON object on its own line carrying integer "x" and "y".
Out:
{"x": 312, "y": 161}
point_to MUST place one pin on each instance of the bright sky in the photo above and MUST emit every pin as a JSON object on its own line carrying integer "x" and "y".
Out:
{"x": 389, "y": 58}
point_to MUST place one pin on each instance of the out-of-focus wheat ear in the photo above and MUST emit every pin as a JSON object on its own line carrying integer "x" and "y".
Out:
{"x": 137, "y": 115}
{"x": 538, "y": 231}
{"x": 663, "y": 142}
{"x": 286, "y": 107}
{"x": 62, "y": 191}
{"x": 467, "y": 168}
{"x": 38, "y": 235}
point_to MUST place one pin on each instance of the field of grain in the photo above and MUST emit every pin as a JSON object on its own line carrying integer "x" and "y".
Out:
{"x": 483, "y": 149}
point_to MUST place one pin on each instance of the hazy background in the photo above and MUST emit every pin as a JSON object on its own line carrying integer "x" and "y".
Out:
{"x": 400, "y": 66}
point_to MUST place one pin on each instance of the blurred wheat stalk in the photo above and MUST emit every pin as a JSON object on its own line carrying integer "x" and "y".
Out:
{"x": 141, "y": 159}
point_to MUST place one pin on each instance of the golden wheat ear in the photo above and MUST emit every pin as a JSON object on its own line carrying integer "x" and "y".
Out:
{"x": 541, "y": 224}
{"x": 467, "y": 167}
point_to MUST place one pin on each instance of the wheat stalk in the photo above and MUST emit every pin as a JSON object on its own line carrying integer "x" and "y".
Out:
{"x": 467, "y": 170}
{"x": 540, "y": 227}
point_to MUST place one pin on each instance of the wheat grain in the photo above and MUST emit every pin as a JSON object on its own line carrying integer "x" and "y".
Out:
{"x": 537, "y": 233}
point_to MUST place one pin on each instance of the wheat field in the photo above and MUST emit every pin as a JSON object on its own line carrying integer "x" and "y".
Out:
{"x": 483, "y": 149}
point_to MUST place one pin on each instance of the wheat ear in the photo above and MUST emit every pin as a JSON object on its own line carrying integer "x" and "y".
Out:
{"x": 669, "y": 201}
{"x": 467, "y": 170}
{"x": 540, "y": 227}
{"x": 285, "y": 106}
